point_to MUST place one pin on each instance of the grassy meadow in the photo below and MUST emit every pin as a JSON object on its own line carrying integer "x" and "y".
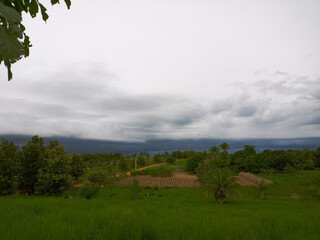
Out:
{"x": 291, "y": 210}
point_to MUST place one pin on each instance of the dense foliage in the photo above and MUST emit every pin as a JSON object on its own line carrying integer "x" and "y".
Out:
{"x": 36, "y": 168}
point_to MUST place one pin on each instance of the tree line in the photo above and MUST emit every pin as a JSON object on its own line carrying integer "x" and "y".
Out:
{"x": 36, "y": 168}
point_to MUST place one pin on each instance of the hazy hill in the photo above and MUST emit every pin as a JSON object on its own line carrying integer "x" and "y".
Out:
{"x": 77, "y": 145}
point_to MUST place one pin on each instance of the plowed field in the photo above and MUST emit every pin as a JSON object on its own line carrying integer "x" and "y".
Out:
{"x": 177, "y": 180}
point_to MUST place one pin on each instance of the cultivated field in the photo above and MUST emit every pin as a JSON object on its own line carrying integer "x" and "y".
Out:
{"x": 177, "y": 180}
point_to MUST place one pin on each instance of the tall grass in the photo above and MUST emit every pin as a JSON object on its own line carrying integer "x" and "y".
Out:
{"x": 174, "y": 213}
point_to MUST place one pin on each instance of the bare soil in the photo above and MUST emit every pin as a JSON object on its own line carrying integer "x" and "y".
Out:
{"x": 249, "y": 179}
{"x": 177, "y": 180}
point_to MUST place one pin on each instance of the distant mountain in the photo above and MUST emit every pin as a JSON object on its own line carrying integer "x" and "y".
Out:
{"x": 77, "y": 145}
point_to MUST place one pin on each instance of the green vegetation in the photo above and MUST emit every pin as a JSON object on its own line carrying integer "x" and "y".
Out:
{"x": 99, "y": 210}
{"x": 188, "y": 215}
{"x": 89, "y": 190}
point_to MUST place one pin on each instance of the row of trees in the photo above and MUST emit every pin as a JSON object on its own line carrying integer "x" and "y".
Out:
{"x": 248, "y": 160}
{"x": 36, "y": 168}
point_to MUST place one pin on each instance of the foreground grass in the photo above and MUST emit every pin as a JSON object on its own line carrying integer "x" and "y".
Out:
{"x": 174, "y": 213}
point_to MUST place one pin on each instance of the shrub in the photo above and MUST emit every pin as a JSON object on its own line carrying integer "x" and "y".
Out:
{"x": 89, "y": 190}
{"x": 220, "y": 183}
{"x": 157, "y": 158}
{"x": 290, "y": 170}
{"x": 77, "y": 165}
{"x": 98, "y": 177}
{"x": 262, "y": 186}
{"x": 193, "y": 162}
{"x": 135, "y": 189}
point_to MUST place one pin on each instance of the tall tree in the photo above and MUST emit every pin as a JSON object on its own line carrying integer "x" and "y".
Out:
{"x": 214, "y": 150}
{"x": 32, "y": 160}
{"x": 9, "y": 166}
{"x": 224, "y": 147}
{"x": 54, "y": 176}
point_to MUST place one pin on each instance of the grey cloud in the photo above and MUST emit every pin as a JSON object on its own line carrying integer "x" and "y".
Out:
{"x": 315, "y": 120}
{"x": 246, "y": 111}
{"x": 76, "y": 105}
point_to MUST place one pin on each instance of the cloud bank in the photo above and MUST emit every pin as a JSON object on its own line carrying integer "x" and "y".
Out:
{"x": 87, "y": 103}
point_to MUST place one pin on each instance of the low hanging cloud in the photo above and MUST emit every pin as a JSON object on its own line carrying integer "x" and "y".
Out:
{"x": 85, "y": 103}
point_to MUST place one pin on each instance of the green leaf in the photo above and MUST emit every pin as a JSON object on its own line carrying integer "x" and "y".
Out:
{"x": 8, "y": 65}
{"x": 68, "y": 3}
{"x": 11, "y": 49}
{"x": 10, "y": 13}
{"x": 44, "y": 14}
{"x": 17, "y": 30}
{"x": 53, "y": 2}
{"x": 27, "y": 45}
{"x": 33, "y": 8}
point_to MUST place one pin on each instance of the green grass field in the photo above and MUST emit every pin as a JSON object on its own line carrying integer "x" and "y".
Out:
{"x": 291, "y": 210}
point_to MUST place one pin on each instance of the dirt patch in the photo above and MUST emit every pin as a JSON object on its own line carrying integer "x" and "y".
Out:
{"x": 177, "y": 180}
{"x": 249, "y": 179}
{"x": 154, "y": 165}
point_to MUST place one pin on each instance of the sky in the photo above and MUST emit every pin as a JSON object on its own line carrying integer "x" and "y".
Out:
{"x": 148, "y": 69}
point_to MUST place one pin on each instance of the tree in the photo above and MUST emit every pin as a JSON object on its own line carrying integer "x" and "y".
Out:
{"x": 14, "y": 43}
{"x": 54, "y": 176}
{"x": 316, "y": 158}
{"x": 220, "y": 183}
{"x": 193, "y": 162}
{"x": 9, "y": 166}
{"x": 32, "y": 160}
{"x": 141, "y": 160}
{"x": 249, "y": 149}
{"x": 77, "y": 165}
{"x": 214, "y": 150}
{"x": 122, "y": 163}
{"x": 224, "y": 147}
{"x": 157, "y": 158}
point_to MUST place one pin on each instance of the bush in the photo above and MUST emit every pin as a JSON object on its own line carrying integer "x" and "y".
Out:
{"x": 135, "y": 189}
{"x": 89, "y": 190}
{"x": 290, "y": 170}
{"x": 77, "y": 165}
{"x": 193, "y": 162}
{"x": 98, "y": 177}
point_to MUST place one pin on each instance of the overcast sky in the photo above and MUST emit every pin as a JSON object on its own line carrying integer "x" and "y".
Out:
{"x": 145, "y": 69}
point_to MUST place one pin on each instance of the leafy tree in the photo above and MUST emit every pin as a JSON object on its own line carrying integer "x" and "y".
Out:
{"x": 214, "y": 150}
{"x": 141, "y": 160}
{"x": 157, "y": 158}
{"x": 32, "y": 160}
{"x": 249, "y": 149}
{"x": 177, "y": 154}
{"x": 224, "y": 147}
{"x": 279, "y": 160}
{"x": 168, "y": 158}
{"x": 9, "y": 166}
{"x": 193, "y": 162}
{"x": 54, "y": 176}
{"x": 77, "y": 165}
{"x": 122, "y": 163}
{"x": 14, "y": 43}
{"x": 316, "y": 158}
{"x": 219, "y": 183}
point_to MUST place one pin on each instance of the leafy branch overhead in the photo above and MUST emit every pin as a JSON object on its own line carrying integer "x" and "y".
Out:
{"x": 14, "y": 42}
